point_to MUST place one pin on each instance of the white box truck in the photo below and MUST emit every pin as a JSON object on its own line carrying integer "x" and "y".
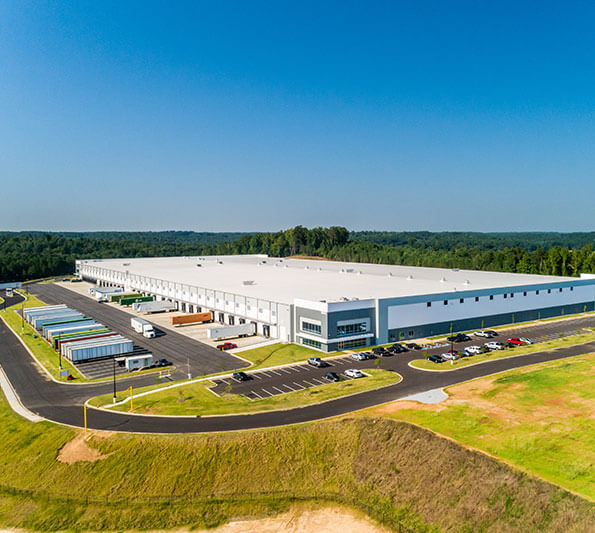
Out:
{"x": 224, "y": 332}
{"x": 142, "y": 326}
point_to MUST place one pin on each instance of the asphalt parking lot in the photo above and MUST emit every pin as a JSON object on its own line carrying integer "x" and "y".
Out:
{"x": 266, "y": 383}
{"x": 187, "y": 355}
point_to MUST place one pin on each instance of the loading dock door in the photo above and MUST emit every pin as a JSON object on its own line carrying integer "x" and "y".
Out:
{"x": 266, "y": 330}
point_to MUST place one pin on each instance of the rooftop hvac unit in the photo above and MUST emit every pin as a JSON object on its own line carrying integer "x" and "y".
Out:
{"x": 409, "y": 277}
{"x": 442, "y": 280}
{"x": 248, "y": 282}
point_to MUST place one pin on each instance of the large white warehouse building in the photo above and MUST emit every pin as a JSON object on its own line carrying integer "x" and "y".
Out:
{"x": 332, "y": 306}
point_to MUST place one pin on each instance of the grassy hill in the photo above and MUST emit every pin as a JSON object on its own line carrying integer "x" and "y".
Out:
{"x": 404, "y": 476}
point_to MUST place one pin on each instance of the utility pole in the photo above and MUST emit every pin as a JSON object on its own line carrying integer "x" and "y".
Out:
{"x": 114, "y": 367}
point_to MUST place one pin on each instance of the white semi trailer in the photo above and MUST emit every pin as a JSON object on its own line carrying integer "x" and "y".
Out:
{"x": 153, "y": 307}
{"x": 226, "y": 332}
{"x": 142, "y": 326}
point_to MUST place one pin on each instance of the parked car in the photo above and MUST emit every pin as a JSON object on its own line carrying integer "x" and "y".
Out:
{"x": 494, "y": 345}
{"x": 371, "y": 355}
{"x": 436, "y": 359}
{"x": 473, "y": 350}
{"x": 413, "y": 346}
{"x": 241, "y": 376}
{"x": 332, "y": 376}
{"x": 354, "y": 373}
{"x": 227, "y": 346}
{"x": 385, "y": 353}
{"x": 449, "y": 356}
{"x": 526, "y": 340}
{"x": 317, "y": 361}
{"x": 162, "y": 362}
{"x": 378, "y": 349}
{"x": 515, "y": 341}
{"x": 459, "y": 337}
{"x": 358, "y": 356}
{"x": 483, "y": 333}
{"x": 398, "y": 348}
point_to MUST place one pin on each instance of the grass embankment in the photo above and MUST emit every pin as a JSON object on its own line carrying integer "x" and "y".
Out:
{"x": 402, "y": 475}
{"x": 424, "y": 364}
{"x": 541, "y": 418}
{"x": 44, "y": 353}
{"x": 279, "y": 354}
{"x": 196, "y": 399}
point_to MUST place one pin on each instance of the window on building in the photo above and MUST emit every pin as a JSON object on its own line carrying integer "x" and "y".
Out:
{"x": 411, "y": 332}
{"x": 571, "y": 288}
{"x": 477, "y": 298}
{"x": 462, "y": 300}
{"x": 351, "y": 329}
{"x": 491, "y": 296}
{"x": 310, "y": 342}
{"x": 429, "y": 304}
{"x": 560, "y": 289}
{"x": 309, "y": 327}
{"x": 351, "y": 344}
{"x": 549, "y": 291}
{"x": 525, "y": 293}
{"x": 445, "y": 302}
{"x": 536, "y": 292}
{"x": 512, "y": 294}
{"x": 505, "y": 295}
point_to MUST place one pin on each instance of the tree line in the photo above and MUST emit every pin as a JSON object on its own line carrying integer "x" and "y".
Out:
{"x": 32, "y": 255}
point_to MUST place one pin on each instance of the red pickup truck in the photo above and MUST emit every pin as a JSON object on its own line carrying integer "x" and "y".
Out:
{"x": 227, "y": 346}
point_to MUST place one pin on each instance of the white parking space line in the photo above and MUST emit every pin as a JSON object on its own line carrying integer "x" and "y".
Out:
{"x": 255, "y": 394}
{"x": 269, "y": 393}
{"x": 318, "y": 381}
{"x": 280, "y": 391}
{"x": 256, "y": 376}
{"x": 311, "y": 384}
{"x": 292, "y": 390}
{"x": 285, "y": 370}
{"x": 275, "y": 372}
{"x": 298, "y": 385}
{"x": 295, "y": 369}
{"x": 339, "y": 361}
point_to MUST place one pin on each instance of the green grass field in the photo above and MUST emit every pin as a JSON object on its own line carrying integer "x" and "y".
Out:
{"x": 541, "y": 418}
{"x": 196, "y": 399}
{"x": 424, "y": 364}
{"x": 279, "y": 354}
{"x": 195, "y": 481}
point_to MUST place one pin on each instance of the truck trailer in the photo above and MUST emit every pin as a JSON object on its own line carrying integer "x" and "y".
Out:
{"x": 192, "y": 318}
{"x": 226, "y": 332}
{"x": 142, "y": 326}
{"x": 153, "y": 307}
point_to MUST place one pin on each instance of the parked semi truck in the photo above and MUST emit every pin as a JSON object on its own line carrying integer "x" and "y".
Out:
{"x": 225, "y": 332}
{"x": 142, "y": 326}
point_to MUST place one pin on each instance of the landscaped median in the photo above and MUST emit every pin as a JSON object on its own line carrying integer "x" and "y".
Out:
{"x": 278, "y": 354}
{"x": 424, "y": 364}
{"x": 194, "y": 398}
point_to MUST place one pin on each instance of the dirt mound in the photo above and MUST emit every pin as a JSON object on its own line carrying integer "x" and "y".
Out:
{"x": 78, "y": 450}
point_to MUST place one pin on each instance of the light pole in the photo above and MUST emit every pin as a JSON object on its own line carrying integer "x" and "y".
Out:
{"x": 114, "y": 367}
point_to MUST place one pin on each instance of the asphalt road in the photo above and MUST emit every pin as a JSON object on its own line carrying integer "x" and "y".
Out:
{"x": 181, "y": 350}
{"x": 62, "y": 403}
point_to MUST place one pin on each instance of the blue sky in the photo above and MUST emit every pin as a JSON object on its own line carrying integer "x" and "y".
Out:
{"x": 257, "y": 116}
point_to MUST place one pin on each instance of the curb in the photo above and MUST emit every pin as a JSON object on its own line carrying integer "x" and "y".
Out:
{"x": 14, "y": 401}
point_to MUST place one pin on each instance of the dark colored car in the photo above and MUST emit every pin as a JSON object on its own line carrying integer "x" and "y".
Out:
{"x": 436, "y": 359}
{"x": 399, "y": 348}
{"x": 492, "y": 332}
{"x": 241, "y": 376}
{"x": 377, "y": 350}
{"x": 162, "y": 362}
{"x": 227, "y": 346}
{"x": 413, "y": 346}
{"x": 385, "y": 353}
{"x": 459, "y": 337}
{"x": 332, "y": 376}
{"x": 372, "y": 355}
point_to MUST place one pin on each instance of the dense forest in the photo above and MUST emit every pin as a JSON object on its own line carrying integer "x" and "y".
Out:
{"x": 32, "y": 255}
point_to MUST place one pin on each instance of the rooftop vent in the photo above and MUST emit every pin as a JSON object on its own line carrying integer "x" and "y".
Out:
{"x": 306, "y": 268}
{"x": 220, "y": 262}
{"x": 466, "y": 282}
{"x": 409, "y": 277}
{"x": 390, "y": 274}
{"x": 198, "y": 265}
{"x": 248, "y": 282}
{"x": 126, "y": 264}
{"x": 442, "y": 280}
{"x": 455, "y": 269}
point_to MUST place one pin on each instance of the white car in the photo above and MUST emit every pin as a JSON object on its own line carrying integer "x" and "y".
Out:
{"x": 473, "y": 350}
{"x": 354, "y": 373}
{"x": 494, "y": 345}
{"x": 449, "y": 356}
{"x": 482, "y": 333}
{"x": 526, "y": 340}
{"x": 358, "y": 356}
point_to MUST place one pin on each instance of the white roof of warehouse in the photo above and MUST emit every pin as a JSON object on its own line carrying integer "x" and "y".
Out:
{"x": 283, "y": 280}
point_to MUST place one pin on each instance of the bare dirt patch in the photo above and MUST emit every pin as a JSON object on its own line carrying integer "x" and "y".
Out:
{"x": 299, "y": 520}
{"x": 78, "y": 450}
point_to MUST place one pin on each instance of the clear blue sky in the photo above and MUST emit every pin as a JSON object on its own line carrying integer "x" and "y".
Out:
{"x": 246, "y": 116}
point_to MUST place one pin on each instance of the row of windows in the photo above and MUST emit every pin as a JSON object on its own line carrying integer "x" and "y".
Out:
{"x": 462, "y": 300}
{"x": 352, "y": 329}
{"x": 308, "y": 327}
{"x": 351, "y": 344}
{"x": 310, "y": 342}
